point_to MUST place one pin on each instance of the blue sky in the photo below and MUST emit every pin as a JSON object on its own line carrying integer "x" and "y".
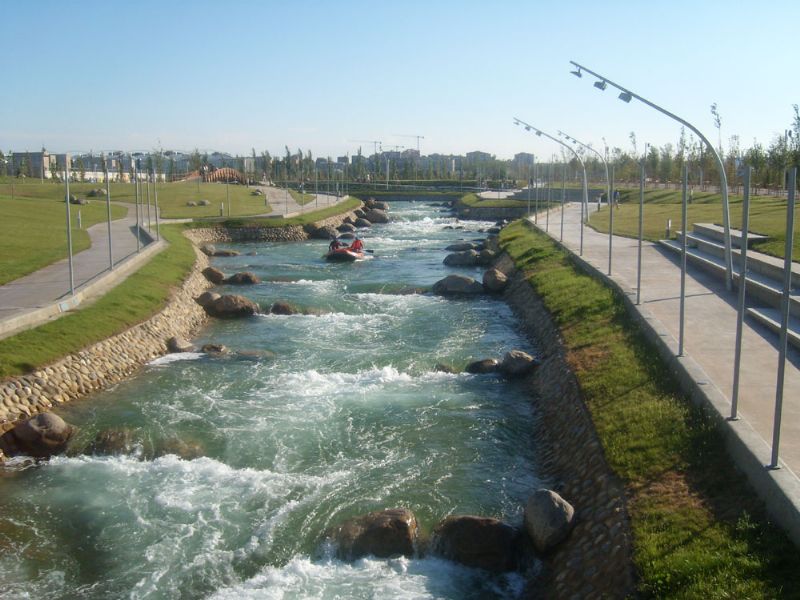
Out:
{"x": 314, "y": 75}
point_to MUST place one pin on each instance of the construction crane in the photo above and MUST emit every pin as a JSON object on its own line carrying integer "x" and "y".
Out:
{"x": 418, "y": 138}
{"x": 376, "y": 143}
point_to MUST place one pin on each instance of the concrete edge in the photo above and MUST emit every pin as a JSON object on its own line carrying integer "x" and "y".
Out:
{"x": 100, "y": 285}
{"x": 779, "y": 489}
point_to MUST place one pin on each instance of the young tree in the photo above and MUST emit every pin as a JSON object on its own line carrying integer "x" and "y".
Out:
{"x": 195, "y": 160}
{"x": 81, "y": 168}
{"x": 718, "y": 125}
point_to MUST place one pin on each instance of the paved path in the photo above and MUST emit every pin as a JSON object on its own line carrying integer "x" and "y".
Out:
{"x": 710, "y": 329}
{"x": 51, "y": 284}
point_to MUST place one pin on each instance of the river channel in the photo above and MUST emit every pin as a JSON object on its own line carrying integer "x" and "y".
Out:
{"x": 310, "y": 420}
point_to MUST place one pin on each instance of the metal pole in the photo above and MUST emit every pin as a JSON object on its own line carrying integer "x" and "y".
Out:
{"x": 641, "y": 232}
{"x": 610, "y": 215}
{"x": 530, "y": 183}
{"x": 683, "y": 260}
{"x": 563, "y": 194}
{"x": 227, "y": 195}
{"x": 69, "y": 229}
{"x": 137, "y": 192}
{"x": 722, "y": 175}
{"x": 149, "y": 221}
{"x": 108, "y": 214}
{"x": 549, "y": 196}
{"x": 737, "y": 361}
{"x": 155, "y": 206}
{"x": 787, "y": 286}
{"x": 536, "y": 192}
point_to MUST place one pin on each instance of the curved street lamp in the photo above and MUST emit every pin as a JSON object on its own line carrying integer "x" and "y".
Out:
{"x": 584, "y": 204}
{"x": 626, "y": 96}
{"x": 608, "y": 192}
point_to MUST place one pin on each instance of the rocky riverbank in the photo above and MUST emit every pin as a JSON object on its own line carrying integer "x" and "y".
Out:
{"x": 595, "y": 561}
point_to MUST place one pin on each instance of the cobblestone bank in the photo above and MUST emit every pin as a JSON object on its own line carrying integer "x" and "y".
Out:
{"x": 294, "y": 233}
{"x": 108, "y": 362}
{"x": 595, "y": 561}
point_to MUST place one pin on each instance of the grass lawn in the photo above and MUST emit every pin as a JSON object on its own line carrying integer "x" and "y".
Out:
{"x": 767, "y": 216}
{"x": 309, "y": 217}
{"x": 172, "y": 197}
{"x": 33, "y": 231}
{"x": 301, "y": 198}
{"x": 699, "y": 530}
{"x": 137, "y": 298}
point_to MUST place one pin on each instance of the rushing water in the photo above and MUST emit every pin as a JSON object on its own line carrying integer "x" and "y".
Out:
{"x": 312, "y": 419}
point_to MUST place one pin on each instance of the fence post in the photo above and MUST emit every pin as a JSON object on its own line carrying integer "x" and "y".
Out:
{"x": 683, "y": 262}
{"x": 787, "y": 286}
{"x": 641, "y": 232}
{"x": 610, "y": 215}
{"x": 737, "y": 361}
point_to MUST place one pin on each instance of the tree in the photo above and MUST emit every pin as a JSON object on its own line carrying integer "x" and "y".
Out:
{"x": 718, "y": 125}
{"x": 81, "y": 168}
{"x": 266, "y": 165}
{"x": 120, "y": 171}
{"x": 195, "y": 160}
{"x": 3, "y": 168}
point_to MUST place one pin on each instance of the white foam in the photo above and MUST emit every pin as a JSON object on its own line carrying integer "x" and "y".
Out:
{"x": 175, "y": 357}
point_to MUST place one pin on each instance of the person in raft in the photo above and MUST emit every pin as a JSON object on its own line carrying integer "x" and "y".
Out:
{"x": 334, "y": 245}
{"x": 357, "y": 245}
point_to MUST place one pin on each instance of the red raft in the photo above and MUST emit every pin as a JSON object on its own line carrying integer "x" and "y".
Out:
{"x": 344, "y": 255}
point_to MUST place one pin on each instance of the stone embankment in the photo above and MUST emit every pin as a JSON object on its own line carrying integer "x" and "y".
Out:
{"x": 104, "y": 363}
{"x": 595, "y": 560}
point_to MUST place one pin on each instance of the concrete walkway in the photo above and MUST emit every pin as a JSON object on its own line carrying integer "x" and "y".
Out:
{"x": 51, "y": 284}
{"x": 710, "y": 333}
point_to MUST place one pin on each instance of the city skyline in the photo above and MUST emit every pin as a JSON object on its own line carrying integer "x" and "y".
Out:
{"x": 317, "y": 77}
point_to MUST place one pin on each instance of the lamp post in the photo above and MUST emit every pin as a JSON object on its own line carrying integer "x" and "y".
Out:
{"x": 608, "y": 192}
{"x": 584, "y": 204}
{"x": 626, "y": 96}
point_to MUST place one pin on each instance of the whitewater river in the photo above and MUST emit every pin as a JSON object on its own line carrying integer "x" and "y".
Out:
{"x": 325, "y": 416}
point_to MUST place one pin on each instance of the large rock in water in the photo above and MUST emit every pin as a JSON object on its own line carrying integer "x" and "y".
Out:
{"x": 111, "y": 442}
{"x": 385, "y": 533}
{"x": 207, "y": 298}
{"x": 486, "y": 365}
{"x": 464, "y": 246}
{"x": 41, "y": 436}
{"x": 362, "y": 223}
{"x": 346, "y": 228}
{"x": 208, "y": 249}
{"x": 324, "y": 233}
{"x": 477, "y": 542}
{"x": 244, "y": 278}
{"x": 179, "y": 344}
{"x": 215, "y": 276}
{"x": 281, "y": 307}
{"x": 517, "y": 363}
{"x": 467, "y": 258}
{"x": 548, "y": 519}
{"x": 457, "y": 285}
{"x": 227, "y": 253}
{"x": 375, "y": 215}
{"x": 486, "y": 257}
{"x": 495, "y": 280}
{"x": 231, "y": 306}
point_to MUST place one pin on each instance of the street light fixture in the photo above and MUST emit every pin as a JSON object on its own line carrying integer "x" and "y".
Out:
{"x": 625, "y": 96}
{"x": 584, "y": 204}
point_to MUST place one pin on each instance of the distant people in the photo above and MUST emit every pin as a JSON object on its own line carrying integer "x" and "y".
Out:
{"x": 616, "y": 198}
{"x": 357, "y": 245}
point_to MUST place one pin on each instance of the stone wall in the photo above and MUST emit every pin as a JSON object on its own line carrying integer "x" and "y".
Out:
{"x": 595, "y": 561}
{"x": 107, "y": 362}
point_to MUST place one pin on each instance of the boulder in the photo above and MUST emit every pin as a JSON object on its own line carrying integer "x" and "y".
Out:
{"x": 179, "y": 344}
{"x": 92, "y": 193}
{"x": 283, "y": 308}
{"x": 348, "y": 235}
{"x": 204, "y": 203}
{"x": 477, "y": 542}
{"x": 208, "y": 249}
{"x": 255, "y": 355}
{"x": 384, "y": 206}
{"x": 375, "y": 215}
{"x": 111, "y": 442}
{"x": 360, "y": 213}
{"x": 492, "y": 243}
{"x": 73, "y": 199}
{"x": 244, "y": 278}
{"x": 548, "y": 519}
{"x": 41, "y": 436}
{"x": 463, "y": 246}
{"x": 227, "y": 253}
{"x": 215, "y": 349}
{"x": 486, "y": 257}
{"x": 467, "y": 258}
{"x": 231, "y": 306}
{"x": 363, "y": 223}
{"x": 385, "y": 533}
{"x": 328, "y": 232}
{"x": 444, "y": 368}
{"x": 486, "y": 365}
{"x": 495, "y": 280}
{"x": 215, "y": 276}
{"x": 346, "y": 227}
{"x": 191, "y": 203}
{"x": 348, "y": 220}
{"x": 457, "y": 285}
{"x": 517, "y": 363}
{"x": 206, "y": 298}
{"x": 493, "y": 230}
{"x": 187, "y": 450}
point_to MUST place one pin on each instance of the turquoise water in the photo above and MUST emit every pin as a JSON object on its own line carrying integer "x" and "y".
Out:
{"x": 325, "y": 416}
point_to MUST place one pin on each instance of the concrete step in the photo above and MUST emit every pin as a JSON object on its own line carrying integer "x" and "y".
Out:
{"x": 760, "y": 287}
{"x": 715, "y": 232}
{"x": 757, "y": 262}
{"x": 771, "y": 317}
